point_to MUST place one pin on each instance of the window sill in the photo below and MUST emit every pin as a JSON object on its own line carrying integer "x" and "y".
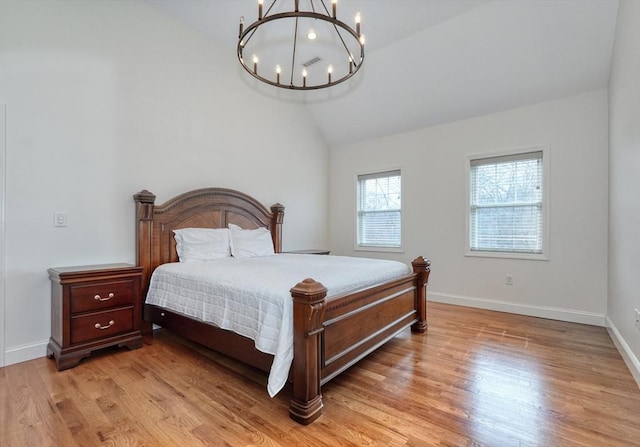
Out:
{"x": 380, "y": 249}
{"x": 506, "y": 255}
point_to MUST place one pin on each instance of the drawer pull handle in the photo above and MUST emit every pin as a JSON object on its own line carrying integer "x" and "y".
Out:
{"x": 99, "y": 326}
{"x": 99, "y": 298}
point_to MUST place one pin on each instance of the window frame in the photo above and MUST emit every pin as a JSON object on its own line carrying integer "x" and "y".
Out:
{"x": 544, "y": 256}
{"x": 379, "y": 248}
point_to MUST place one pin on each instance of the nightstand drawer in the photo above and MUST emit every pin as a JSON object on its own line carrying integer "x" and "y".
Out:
{"x": 101, "y": 324}
{"x": 102, "y": 295}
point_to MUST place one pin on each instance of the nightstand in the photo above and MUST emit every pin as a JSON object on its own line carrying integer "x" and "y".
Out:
{"x": 310, "y": 251}
{"x": 93, "y": 307}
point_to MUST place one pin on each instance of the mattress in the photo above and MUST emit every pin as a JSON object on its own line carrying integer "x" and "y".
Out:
{"x": 251, "y": 296}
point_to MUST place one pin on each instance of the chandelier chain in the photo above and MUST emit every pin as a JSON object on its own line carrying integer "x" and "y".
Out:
{"x": 293, "y": 53}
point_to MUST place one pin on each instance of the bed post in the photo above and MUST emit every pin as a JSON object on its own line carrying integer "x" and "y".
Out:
{"x": 421, "y": 267}
{"x": 144, "y": 235}
{"x": 308, "y": 311}
{"x": 276, "y": 226}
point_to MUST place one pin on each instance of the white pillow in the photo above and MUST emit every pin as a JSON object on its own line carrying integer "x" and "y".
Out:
{"x": 202, "y": 244}
{"x": 250, "y": 243}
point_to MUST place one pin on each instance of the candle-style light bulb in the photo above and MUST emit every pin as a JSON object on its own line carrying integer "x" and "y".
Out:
{"x": 350, "y": 63}
{"x": 255, "y": 64}
{"x": 334, "y": 4}
{"x": 260, "y": 2}
{"x": 362, "y": 39}
{"x": 329, "y": 71}
{"x": 304, "y": 78}
{"x": 278, "y": 71}
{"x": 358, "y": 24}
{"x": 241, "y": 26}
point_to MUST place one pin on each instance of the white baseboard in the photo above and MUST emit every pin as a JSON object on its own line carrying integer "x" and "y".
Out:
{"x": 629, "y": 358}
{"x": 552, "y": 313}
{"x": 26, "y": 352}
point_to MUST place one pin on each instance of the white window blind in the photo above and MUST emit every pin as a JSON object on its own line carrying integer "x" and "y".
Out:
{"x": 379, "y": 209}
{"x": 506, "y": 209}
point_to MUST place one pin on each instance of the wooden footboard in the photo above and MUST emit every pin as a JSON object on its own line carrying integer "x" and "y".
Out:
{"x": 330, "y": 333}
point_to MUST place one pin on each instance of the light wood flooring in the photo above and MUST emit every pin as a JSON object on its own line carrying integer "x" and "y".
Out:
{"x": 477, "y": 378}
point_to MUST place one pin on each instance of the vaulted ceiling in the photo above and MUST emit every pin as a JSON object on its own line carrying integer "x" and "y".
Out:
{"x": 430, "y": 62}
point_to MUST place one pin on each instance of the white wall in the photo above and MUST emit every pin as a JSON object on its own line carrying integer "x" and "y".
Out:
{"x": 572, "y": 284}
{"x": 2, "y": 224}
{"x": 107, "y": 98}
{"x": 624, "y": 184}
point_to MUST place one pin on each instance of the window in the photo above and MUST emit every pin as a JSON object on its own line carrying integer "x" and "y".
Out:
{"x": 506, "y": 209}
{"x": 379, "y": 210}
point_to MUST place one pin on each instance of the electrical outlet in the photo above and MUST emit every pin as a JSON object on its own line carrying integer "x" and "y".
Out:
{"x": 60, "y": 219}
{"x": 508, "y": 280}
{"x": 636, "y": 314}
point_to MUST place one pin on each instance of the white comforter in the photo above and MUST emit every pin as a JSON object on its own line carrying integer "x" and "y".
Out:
{"x": 251, "y": 296}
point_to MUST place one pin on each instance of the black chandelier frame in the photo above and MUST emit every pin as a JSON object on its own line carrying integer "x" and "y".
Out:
{"x": 245, "y": 35}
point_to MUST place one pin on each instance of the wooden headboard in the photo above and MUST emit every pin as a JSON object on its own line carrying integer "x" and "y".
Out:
{"x": 201, "y": 208}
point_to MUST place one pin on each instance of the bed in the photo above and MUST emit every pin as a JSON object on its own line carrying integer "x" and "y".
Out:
{"x": 330, "y": 332}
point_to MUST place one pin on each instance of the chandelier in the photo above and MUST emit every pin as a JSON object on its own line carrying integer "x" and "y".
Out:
{"x": 306, "y": 48}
